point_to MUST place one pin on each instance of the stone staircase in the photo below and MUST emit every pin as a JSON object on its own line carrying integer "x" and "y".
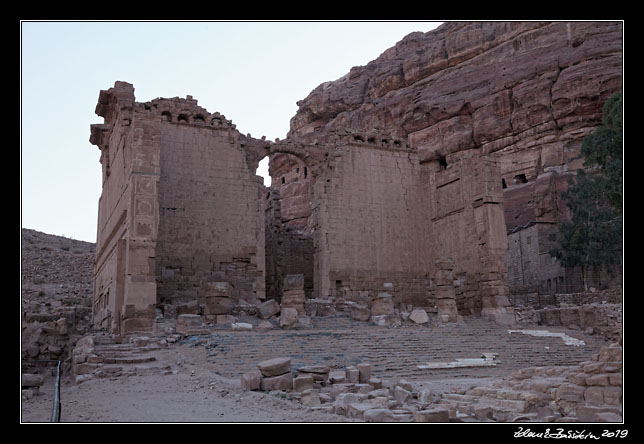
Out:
{"x": 338, "y": 341}
{"x": 101, "y": 355}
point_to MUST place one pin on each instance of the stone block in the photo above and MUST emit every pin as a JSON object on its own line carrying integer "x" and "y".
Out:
{"x": 437, "y": 414}
{"x": 378, "y": 415}
{"x": 615, "y": 379}
{"x": 610, "y": 353}
{"x": 401, "y": 395}
{"x": 337, "y": 376}
{"x": 444, "y": 292}
{"x": 187, "y": 322}
{"x": 339, "y": 388}
{"x": 251, "y": 380}
{"x": 223, "y": 289}
{"x": 483, "y": 412}
{"x": 217, "y": 305}
{"x": 275, "y": 366}
{"x": 364, "y": 388}
{"x": 319, "y": 373}
{"x": 342, "y": 401}
{"x": 594, "y": 395}
{"x": 425, "y": 397}
{"x": 364, "y": 372}
{"x": 446, "y": 306}
{"x": 600, "y": 379}
{"x": 382, "y": 304}
{"x": 444, "y": 278}
{"x": 419, "y": 316}
{"x": 288, "y": 318}
{"x": 569, "y": 392}
{"x": 358, "y": 409}
{"x": 352, "y": 375}
{"x": 613, "y": 395}
{"x": 191, "y": 307}
{"x": 360, "y": 312}
{"x": 293, "y": 282}
{"x": 310, "y": 398}
{"x": 280, "y": 382}
{"x": 591, "y": 413}
{"x": 294, "y": 299}
{"x": 264, "y": 326}
{"x": 32, "y": 380}
{"x": 268, "y": 309}
{"x": 241, "y": 326}
{"x": 303, "y": 382}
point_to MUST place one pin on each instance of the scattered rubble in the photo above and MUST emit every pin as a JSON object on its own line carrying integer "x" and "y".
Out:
{"x": 589, "y": 392}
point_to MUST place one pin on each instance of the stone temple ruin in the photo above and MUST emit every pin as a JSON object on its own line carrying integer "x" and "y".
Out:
{"x": 184, "y": 219}
{"x": 431, "y": 177}
{"x": 424, "y": 186}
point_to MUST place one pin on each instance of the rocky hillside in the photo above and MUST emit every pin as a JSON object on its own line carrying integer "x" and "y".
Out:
{"x": 56, "y": 291}
{"x": 530, "y": 91}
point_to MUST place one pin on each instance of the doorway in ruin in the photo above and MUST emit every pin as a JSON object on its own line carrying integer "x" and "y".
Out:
{"x": 289, "y": 223}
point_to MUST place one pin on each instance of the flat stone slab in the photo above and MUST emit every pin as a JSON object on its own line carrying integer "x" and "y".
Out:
{"x": 275, "y": 367}
{"x": 568, "y": 340}
{"x": 486, "y": 361}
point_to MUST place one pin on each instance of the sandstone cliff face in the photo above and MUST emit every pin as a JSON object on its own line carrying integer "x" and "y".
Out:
{"x": 529, "y": 91}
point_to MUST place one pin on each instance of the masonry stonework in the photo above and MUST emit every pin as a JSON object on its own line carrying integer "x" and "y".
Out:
{"x": 431, "y": 153}
{"x": 182, "y": 210}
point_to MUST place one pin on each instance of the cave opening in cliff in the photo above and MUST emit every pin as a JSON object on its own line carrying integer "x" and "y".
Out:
{"x": 442, "y": 162}
{"x": 520, "y": 178}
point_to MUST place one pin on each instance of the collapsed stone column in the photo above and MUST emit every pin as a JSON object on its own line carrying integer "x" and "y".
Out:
{"x": 494, "y": 293}
{"x": 383, "y": 311}
{"x": 293, "y": 293}
{"x": 444, "y": 292}
{"x": 217, "y": 300}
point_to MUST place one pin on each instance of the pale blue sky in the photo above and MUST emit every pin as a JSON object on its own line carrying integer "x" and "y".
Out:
{"x": 252, "y": 72}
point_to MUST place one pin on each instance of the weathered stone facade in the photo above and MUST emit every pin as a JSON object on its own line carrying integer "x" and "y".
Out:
{"x": 398, "y": 165}
{"x": 183, "y": 210}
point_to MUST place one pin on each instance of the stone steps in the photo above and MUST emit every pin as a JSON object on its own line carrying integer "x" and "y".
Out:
{"x": 113, "y": 357}
{"x": 339, "y": 341}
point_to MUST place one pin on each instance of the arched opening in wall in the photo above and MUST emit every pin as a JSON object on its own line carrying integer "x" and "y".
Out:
{"x": 166, "y": 116}
{"x": 262, "y": 170}
{"x": 289, "y": 226}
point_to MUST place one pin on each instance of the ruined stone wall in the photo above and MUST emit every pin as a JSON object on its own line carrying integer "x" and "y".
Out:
{"x": 289, "y": 249}
{"x": 465, "y": 208}
{"x": 181, "y": 206}
{"x": 527, "y": 91}
{"x": 211, "y": 211}
{"x": 530, "y": 266}
{"x": 369, "y": 229}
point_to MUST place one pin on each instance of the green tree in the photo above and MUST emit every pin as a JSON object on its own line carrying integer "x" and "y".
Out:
{"x": 592, "y": 238}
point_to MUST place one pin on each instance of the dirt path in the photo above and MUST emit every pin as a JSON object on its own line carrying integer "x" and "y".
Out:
{"x": 192, "y": 393}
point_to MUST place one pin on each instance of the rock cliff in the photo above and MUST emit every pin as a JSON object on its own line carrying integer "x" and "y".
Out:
{"x": 529, "y": 91}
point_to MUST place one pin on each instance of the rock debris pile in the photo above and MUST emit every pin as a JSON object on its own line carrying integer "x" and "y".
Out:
{"x": 589, "y": 392}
